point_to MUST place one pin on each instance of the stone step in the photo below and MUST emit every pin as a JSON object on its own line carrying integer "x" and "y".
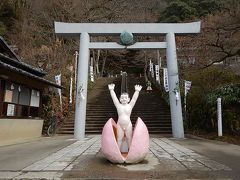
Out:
{"x": 150, "y": 107}
{"x": 149, "y": 128}
{"x": 144, "y": 111}
{"x": 101, "y": 127}
{"x": 65, "y": 132}
{"x": 133, "y": 119}
{"x": 142, "y": 105}
{"x": 133, "y": 122}
{"x": 148, "y": 124}
{"x": 103, "y": 121}
{"x": 134, "y": 115}
{"x": 147, "y": 107}
{"x": 169, "y": 132}
{"x": 99, "y": 130}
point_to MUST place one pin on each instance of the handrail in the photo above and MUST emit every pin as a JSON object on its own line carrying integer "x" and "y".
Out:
{"x": 124, "y": 86}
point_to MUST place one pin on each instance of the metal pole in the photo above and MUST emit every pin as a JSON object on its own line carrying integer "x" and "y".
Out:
{"x": 219, "y": 112}
{"x": 174, "y": 91}
{"x": 82, "y": 81}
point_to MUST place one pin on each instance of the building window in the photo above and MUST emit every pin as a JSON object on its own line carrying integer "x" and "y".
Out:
{"x": 11, "y": 93}
{"x": 24, "y": 96}
{"x": 20, "y": 101}
{"x": 35, "y": 98}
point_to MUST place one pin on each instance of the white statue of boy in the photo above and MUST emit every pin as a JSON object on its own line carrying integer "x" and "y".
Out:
{"x": 124, "y": 109}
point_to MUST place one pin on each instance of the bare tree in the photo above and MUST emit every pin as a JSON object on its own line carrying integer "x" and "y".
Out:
{"x": 219, "y": 39}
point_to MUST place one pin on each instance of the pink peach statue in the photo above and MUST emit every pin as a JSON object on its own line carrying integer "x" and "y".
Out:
{"x": 119, "y": 143}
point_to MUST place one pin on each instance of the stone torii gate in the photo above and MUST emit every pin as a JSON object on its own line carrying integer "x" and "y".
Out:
{"x": 83, "y": 30}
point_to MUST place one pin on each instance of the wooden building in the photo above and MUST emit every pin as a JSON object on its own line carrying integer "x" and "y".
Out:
{"x": 21, "y": 87}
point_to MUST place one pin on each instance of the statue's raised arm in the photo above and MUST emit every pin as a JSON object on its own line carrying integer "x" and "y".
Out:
{"x": 113, "y": 95}
{"x": 135, "y": 95}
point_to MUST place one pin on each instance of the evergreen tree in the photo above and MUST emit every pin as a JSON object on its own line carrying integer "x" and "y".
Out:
{"x": 182, "y": 10}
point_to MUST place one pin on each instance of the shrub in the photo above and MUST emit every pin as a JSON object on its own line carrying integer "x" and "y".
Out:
{"x": 207, "y": 86}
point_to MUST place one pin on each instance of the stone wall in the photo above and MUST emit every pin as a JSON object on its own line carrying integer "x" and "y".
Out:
{"x": 19, "y": 130}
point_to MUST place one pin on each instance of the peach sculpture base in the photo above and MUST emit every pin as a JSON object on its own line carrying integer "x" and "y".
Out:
{"x": 138, "y": 148}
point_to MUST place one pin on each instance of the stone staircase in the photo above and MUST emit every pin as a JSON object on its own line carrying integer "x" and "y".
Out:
{"x": 99, "y": 108}
{"x": 149, "y": 106}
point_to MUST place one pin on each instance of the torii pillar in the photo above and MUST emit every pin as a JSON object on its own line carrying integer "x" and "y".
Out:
{"x": 168, "y": 29}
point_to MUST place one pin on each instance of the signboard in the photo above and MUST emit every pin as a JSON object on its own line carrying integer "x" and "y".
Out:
{"x": 152, "y": 70}
{"x": 165, "y": 79}
{"x": 70, "y": 91}
{"x": 10, "y": 109}
{"x": 187, "y": 86}
{"x": 8, "y": 96}
{"x": 58, "y": 82}
{"x": 157, "y": 73}
{"x": 91, "y": 74}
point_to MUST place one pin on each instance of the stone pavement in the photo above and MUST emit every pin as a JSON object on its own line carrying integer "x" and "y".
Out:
{"x": 82, "y": 159}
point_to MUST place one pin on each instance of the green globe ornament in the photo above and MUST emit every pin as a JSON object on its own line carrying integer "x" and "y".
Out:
{"x": 126, "y": 38}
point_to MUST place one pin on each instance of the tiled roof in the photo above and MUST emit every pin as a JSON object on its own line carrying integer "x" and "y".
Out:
{"x": 10, "y": 61}
{"x": 25, "y": 73}
{"x": 11, "y": 58}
